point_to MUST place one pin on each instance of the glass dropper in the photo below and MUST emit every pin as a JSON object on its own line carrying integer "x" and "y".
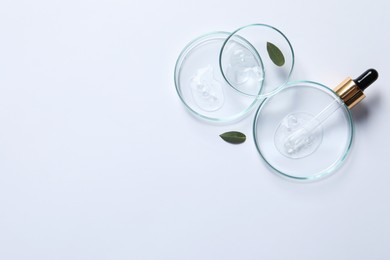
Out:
{"x": 350, "y": 92}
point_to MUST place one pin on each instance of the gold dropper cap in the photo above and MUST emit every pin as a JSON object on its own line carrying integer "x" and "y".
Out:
{"x": 351, "y": 90}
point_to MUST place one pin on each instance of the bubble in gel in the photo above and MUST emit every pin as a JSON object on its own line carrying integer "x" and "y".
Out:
{"x": 292, "y": 121}
{"x": 206, "y": 90}
{"x": 242, "y": 58}
{"x": 292, "y": 138}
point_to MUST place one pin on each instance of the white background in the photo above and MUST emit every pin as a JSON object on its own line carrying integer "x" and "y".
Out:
{"x": 100, "y": 160}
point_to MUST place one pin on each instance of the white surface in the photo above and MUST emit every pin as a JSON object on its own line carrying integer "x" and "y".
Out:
{"x": 100, "y": 160}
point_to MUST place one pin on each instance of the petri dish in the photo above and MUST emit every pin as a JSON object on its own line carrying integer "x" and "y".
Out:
{"x": 304, "y": 132}
{"x": 201, "y": 86}
{"x": 243, "y": 74}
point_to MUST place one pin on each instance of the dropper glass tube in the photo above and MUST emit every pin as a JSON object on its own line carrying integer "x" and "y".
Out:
{"x": 311, "y": 126}
{"x": 315, "y": 119}
{"x": 351, "y": 93}
{"x": 303, "y": 136}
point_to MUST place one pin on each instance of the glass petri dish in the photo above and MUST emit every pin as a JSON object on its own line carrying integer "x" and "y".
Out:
{"x": 304, "y": 132}
{"x": 243, "y": 74}
{"x": 201, "y": 86}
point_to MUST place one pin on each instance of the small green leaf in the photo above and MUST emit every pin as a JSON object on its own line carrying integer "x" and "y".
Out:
{"x": 275, "y": 54}
{"x": 233, "y": 137}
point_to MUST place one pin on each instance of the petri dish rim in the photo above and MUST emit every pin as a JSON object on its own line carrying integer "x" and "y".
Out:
{"x": 331, "y": 168}
{"x": 260, "y": 96}
{"x": 187, "y": 49}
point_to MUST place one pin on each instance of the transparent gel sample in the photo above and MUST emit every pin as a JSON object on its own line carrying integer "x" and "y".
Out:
{"x": 304, "y": 132}
{"x": 201, "y": 86}
{"x": 298, "y": 135}
{"x": 243, "y": 69}
{"x": 249, "y": 72}
{"x": 206, "y": 90}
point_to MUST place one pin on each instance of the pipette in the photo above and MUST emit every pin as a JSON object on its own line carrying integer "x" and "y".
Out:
{"x": 350, "y": 92}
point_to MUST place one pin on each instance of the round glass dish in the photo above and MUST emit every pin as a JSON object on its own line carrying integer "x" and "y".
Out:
{"x": 241, "y": 71}
{"x": 201, "y": 86}
{"x": 304, "y": 132}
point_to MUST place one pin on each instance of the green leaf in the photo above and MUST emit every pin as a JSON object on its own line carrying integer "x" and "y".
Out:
{"x": 275, "y": 54}
{"x": 233, "y": 137}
